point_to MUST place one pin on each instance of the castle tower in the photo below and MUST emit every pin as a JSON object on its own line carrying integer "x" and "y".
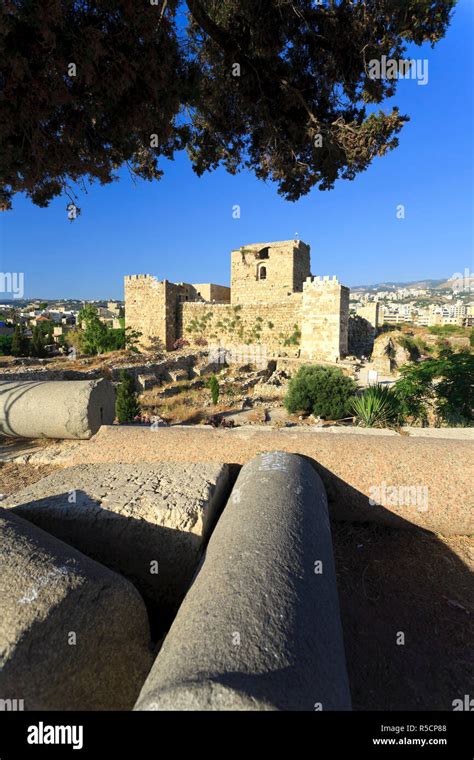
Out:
{"x": 324, "y": 319}
{"x": 150, "y": 308}
{"x": 268, "y": 272}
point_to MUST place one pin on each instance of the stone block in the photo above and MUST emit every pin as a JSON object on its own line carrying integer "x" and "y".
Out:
{"x": 73, "y": 634}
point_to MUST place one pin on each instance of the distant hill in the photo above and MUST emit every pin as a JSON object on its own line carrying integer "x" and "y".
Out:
{"x": 428, "y": 284}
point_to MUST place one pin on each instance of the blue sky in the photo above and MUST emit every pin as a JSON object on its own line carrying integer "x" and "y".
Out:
{"x": 181, "y": 228}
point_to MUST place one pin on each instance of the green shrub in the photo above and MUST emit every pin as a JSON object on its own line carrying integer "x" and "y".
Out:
{"x": 294, "y": 339}
{"x": 377, "y": 406}
{"x": 6, "y": 345}
{"x": 213, "y": 386}
{"x": 443, "y": 386}
{"x": 324, "y": 391}
{"x": 447, "y": 330}
{"x": 127, "y": 407}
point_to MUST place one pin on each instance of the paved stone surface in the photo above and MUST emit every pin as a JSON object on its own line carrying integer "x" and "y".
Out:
{"x": 352, "y": 466}
{"x": 260, "y": 627}
{"x": 147, "y": 522}
{"x": 51, "y": 593}
{"x": 56, "y": 409}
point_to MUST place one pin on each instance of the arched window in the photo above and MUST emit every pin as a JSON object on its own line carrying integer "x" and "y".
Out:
{"x": 262, "y": 273}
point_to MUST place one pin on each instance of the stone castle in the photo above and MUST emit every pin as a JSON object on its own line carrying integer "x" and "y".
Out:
{"x": 273, "y": 301}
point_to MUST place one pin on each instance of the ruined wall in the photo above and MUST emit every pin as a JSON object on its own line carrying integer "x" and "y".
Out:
{"x": 286, "y": 264}
{"x": 371, "y": 313}
{"x": 269, "y": 325}
{"x": 363, "y": 329}
{"x": 325, "y": 318}
{"x": 361, "y": 336}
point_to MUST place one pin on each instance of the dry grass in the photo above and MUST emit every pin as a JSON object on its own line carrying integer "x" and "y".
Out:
{"x": 15, "y": 476}
{"x": 189, "y": 405}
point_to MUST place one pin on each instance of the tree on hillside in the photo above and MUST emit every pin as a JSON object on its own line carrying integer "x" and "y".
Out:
{"x": 37, "y": 342}
{"x": 126, "y": 404}
{"x": 94, "y": 334}
{"x": 278, "y": 86}
{"x": 6, "y": 345}
{"x": 19, "y": 341}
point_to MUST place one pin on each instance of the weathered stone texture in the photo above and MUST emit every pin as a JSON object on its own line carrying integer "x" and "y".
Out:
{"x": 268, "y": 325}
{"x": 370, "y": 312}
{"x": 325, "y": 316}
{"x": 128, "y": 517}
{"x": 211, "y": 292}
{"x": 286, "y": 263}
{"x": 58, "y": 409}
{"x": 361, "y": 336}
{"x": 259, "y": 628}
{"x": 390, "y": 353}
{"x": 73, "y": 634}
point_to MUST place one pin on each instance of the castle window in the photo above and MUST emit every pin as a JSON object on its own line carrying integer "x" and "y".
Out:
{"x": 262, "y": 273}
{"x": 263, "y": 253}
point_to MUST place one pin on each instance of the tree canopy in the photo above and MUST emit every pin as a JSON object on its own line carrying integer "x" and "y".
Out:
{"x": 280, "y": 87}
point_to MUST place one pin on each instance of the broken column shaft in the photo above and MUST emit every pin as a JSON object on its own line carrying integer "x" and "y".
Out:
{"x": 260, "y": 626}
{"x": 55, "y": 409}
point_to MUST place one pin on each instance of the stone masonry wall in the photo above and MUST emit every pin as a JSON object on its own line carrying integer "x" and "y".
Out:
{"x": 286, "y": 263}
{"x": 151, "y": 310}
{"x": 211, "y": 292}
{"x": 325, "y": 317}
{"x": 361, "y": 336}
{"x": 283, "y": 312}
{"x": 268, "y": 325}
{"x": 371, "y": 313}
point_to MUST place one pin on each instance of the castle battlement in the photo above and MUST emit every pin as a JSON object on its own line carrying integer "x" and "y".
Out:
{"x": 320, "y": 282}
{"x": 129, "y": 277}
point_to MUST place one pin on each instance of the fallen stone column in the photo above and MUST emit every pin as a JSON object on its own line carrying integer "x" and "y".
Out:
{"x": 259, "y": 628}
{"x": 73, "y": 634}
{"x": 55, "y": 409}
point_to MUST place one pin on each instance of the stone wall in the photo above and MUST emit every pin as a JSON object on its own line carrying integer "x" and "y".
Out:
{"x": 268, "y": 325}
{"x": 361, "y": 336}
{"x": 325, "y": 318}
{"x": 274, "y": 304}
{"x": 151, "y": 309}
{"x": 371, "y": 313}
{"x": 286, "y": 265}
{"x": 211, "y": 292}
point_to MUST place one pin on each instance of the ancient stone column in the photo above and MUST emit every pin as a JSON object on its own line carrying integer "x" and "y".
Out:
{"x": 55, "y": 409}
{"x": 73, "y": 634}
{"x": 260, "y": 627}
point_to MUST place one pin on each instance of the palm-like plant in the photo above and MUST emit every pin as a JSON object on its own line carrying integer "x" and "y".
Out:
{"x": 376, "y": 407}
